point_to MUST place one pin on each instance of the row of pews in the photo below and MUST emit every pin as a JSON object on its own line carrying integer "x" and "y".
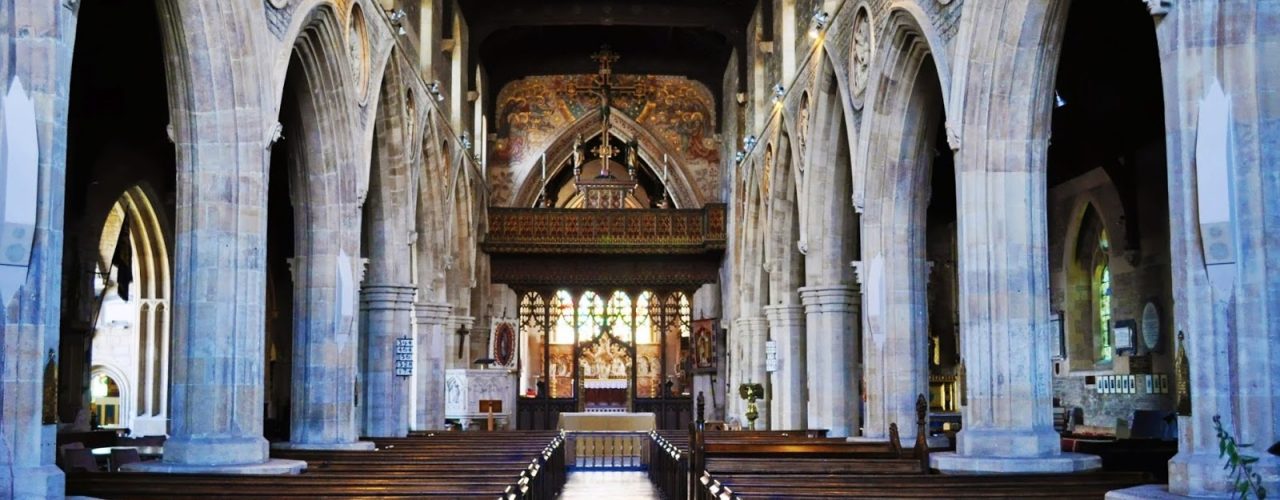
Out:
{"x": 709, "y": 463}
{"x": 512, "y": 465}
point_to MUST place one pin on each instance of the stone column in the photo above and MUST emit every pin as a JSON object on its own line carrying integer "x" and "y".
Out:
{"x": 758, "y": 334}
{"x": 1222, "y": 125}
{"x": 787, "y": 327}
{"x": 325, "y": 372}
{"x": 1004, "y": 317}
{"x": 831, "y": 344}
{"x": 386, "y": 396}
{"x": 34, "y": 93}
{"x": 740, "y": 346}
{"x": 429, "y": 373}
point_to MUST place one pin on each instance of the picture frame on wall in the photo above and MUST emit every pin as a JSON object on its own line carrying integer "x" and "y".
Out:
{"x": 1122, "y": 330}
{"x": 1058, "y": 331}
{"x": 704, "y": 345}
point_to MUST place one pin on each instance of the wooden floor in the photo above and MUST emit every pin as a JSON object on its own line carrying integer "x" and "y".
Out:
{"x": 597, "y": 485}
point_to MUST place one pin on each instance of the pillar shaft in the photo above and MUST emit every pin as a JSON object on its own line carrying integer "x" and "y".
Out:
{"x": 787, "y": 328}
{"x": 831, "y": 334}
{"x": 387, "y": 308}
{"x": 1004, "y": 313}
{"x": 430, "y": 355}
{"x": 325, "y": 345}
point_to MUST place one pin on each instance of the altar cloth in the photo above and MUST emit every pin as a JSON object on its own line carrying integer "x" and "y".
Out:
{"x": 607, "y": 421}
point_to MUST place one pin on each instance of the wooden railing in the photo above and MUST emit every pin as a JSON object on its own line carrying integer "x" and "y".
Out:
{"x": 548, "y": 230}
{"x": 608, "y": 449}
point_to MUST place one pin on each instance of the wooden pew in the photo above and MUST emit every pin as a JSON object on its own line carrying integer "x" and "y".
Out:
{"x": 731, "y": 466}
{"x": 513, "y": 466}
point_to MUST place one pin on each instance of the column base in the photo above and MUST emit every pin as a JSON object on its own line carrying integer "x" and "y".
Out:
{"x": 44, "y": 481}
{"x": 954, "y": 463}
{"x": 356, "y": 446}
{"x": 1201, "y": 475}
{"x": 274, "y": 466}
{"x": 1147, "y": 492}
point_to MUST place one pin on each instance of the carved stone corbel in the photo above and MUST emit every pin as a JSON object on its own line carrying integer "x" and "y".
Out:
{"x": 1159, "y": 8}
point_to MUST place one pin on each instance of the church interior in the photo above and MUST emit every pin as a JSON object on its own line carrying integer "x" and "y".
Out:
{"x": 682, "y": 249}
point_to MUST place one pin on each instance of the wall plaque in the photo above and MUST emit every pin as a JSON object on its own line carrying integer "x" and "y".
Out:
{"x": 404, "y": 357}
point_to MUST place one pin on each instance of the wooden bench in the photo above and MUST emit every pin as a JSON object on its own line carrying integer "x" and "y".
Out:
{"x": 736, "y": 465}
{"x": 510, "y": 466}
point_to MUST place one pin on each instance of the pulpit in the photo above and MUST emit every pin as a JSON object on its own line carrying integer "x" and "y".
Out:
{"x": 468, "y": 394}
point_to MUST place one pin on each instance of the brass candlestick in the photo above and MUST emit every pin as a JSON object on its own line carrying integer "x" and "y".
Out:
{"x": 750, "y": 392}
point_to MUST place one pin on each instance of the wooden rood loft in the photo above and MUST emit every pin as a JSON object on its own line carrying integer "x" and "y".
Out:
{"x": 590, "y": 247}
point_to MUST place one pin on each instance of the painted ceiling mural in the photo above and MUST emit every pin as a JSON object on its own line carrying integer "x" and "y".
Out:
{"x": 532, "y": 111}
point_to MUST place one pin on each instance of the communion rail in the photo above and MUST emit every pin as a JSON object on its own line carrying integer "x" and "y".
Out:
{"x": 612, "y": 450}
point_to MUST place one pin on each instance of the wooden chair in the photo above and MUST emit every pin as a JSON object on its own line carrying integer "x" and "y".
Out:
{"x": 123, "y": 456}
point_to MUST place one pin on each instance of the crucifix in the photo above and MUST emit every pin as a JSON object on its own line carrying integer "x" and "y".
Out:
{"x": 462, "y": 339}
{"x": 603, "y": 87}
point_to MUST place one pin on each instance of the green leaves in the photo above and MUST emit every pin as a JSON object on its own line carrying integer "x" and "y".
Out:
{"x": 1244, "y": 481}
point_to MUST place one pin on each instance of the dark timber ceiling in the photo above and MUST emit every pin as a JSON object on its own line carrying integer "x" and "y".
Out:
{"x": 692, "y": 38}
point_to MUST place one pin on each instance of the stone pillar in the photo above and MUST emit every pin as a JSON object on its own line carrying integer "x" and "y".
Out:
{"x": 429, "y": 373}
{"x": 831, "y": 344}
{"x": 757, "y": 335}
{"x": 1004, "y": 317}
{"x": 385, "y": 399}
{"x": 325, "y": 372}
{"x": 787, "y": 328}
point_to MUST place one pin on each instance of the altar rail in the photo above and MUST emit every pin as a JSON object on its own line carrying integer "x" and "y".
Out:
{"x": 596, "y": 231}
{"x": 615, "y": 450}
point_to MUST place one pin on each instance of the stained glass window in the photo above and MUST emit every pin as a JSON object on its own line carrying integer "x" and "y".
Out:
{"x": 590, "y": 316}
{"x": 562, "y": 311}
{"x": 618, "y": 316}
{"x": 1102, "y": 289}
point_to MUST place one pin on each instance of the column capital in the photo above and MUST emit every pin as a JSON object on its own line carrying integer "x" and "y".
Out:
{"x": 463, "y": 321}
{"x": 432, "y": 312}
{"x": 396, "y": 297}
{"x": 785, "y": 315}
{"x": 824, "y": 298}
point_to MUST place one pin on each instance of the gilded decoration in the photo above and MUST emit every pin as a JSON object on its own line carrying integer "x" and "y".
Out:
{"x": 519, "y": 230}
{"x": 532, "y": 111}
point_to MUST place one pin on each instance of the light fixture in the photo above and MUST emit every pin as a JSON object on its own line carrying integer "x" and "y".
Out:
{"x": 739, "y": 156}
{"x": 1058, "y": 101}
{"x": 749, "y": 142}
{"x": 397, "y": 19}
{"x": 434, "y": 89}
{"x": 819, "y": 22}
{"x": 778, "y": 93}
{"x": 466, "y": 141}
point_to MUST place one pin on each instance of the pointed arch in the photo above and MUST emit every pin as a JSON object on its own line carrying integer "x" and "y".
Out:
{"x": 652, "y": 150}
{"x": 904, "y": 104}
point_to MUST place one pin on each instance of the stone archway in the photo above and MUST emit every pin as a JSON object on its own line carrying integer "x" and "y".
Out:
{"x": 905, "y": 107}
{"x": 320, "y": 158}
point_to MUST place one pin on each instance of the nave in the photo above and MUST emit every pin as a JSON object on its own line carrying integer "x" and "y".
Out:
{"x": 755, "y": 248}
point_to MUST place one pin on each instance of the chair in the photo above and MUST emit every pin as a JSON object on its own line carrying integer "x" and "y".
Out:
{"x": 62, "y": 450}
{"x": 123, "y": 456}
{"x": 79, "y": 460}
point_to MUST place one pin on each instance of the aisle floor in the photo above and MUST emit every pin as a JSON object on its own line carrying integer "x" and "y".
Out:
{"x": 599, "y": 485}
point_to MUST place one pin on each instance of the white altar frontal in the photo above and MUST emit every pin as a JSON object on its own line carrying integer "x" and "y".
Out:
{"x": 465, "y": 390}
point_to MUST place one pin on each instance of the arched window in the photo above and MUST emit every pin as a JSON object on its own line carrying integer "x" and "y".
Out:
{"x": 1102, "y": 301}
{"x": 1088, "y": 296}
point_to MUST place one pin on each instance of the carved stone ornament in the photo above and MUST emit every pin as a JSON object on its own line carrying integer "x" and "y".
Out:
{"x": 279, "y": 4}
{"x": 1159, "y": 7}
{"x": 944, "y": 2}
{"x": 358, "y": 46}
{"x": 860, "y": 56}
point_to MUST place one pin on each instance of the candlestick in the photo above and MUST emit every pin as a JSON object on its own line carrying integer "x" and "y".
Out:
{"x": 544, "y": 166}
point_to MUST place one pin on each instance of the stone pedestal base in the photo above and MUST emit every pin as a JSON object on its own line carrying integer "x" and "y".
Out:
{"x": 45, "y": 481}
{"x": 953, "y": 463}
{"x": 356, "y": 446}
{"x": 1147, "y": 492}
{"x": 273, "y": 466}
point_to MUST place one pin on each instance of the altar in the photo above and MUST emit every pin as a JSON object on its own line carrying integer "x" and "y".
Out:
{"x": 592, "y": 421}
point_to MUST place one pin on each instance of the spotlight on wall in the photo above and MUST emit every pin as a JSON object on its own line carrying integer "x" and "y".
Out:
{"x": 434, "y": 89}
{"x": 739, "y": 156}
{"x": 778, "y": 93}
{"x": 818, "y": 24}
{"x": 1058, "y": 101}
{"x": 466, "y": 140}
{"x": 749, "y": 142}
{"x": 397, "y": 15}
